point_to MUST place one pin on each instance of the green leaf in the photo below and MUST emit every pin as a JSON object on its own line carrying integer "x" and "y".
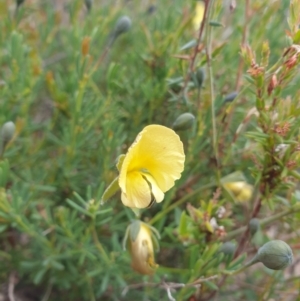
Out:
{"x": 218, "y": 50}
{"x": 215, "y": 24}
{"x": 182, "y": 224}
{"x": 296, "y": 37}
{"x": 110, "y": 190}
{"x": 212, "y": 285}
{"x": 120, "y": 161}
{"x": 78, "y": 208}
{"x": 3, "y": 228}
{"x": 39, "y": 276}
{"x": 238, "y": 261}
{"x": 134, "y": 230}
{"x": 189, "y": 45}
{"x": 234, "y": 177}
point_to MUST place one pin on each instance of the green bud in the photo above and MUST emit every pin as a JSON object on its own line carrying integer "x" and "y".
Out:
{"x": 228, "y": 248}
{"x": 275, "y": 255}
{"x": 19, "y": 2}
{"x": 122, "y": 26}
{"x": 183, "y": 122}
{"x": 231, "y": 96}
{"x": 200, "y": 76}
{"x": 215, "y": 24}
{"x": 88, "y": 4}
{"x": 6, "y": 133}
{"x": 254, "y": 225}
{"x": 151, "y": 9}
{"x": 92, "y": 206}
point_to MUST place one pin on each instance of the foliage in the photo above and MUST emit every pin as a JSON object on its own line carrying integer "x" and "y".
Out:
{"x": 78, "y": 96}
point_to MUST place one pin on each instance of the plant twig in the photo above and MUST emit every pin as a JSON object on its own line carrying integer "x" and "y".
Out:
{"x": 48, "y": 292}
{"x": 244, "y": 39}
{"x": 229, "y": 113}
{"x": 168, "y": 286}
{"x": 246, "y": 234}
{"x": 99, "y": 245}
{"x": 196, "y": 51}
{"x": 179, "y": 202}
{"x": 212, "y": 95}
{"x": 11, "y": 286}
{"x": 264, "y": 222}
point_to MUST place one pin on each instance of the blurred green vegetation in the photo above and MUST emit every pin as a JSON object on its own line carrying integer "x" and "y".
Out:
{"x": 78, "y": 104}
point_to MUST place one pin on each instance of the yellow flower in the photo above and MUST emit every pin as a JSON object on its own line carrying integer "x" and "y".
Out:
{"x": 152, "y": 164}
{"x": 140, "y": 240}
{"x": 199, "y": 14}
{"x": 240, "y": 190}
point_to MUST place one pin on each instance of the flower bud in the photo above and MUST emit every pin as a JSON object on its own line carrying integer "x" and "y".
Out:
{"x": 140, "y": 241}
{"x": 85, "y": 46}
{"x": 275, "y": 255}
{"x": 228, "y": 248}
{"x": 6, "y": 134}
{"x": 200, "y": 77}
{"x": 230, "y": 97}
{"x": 183, "y": 122}
{"x": 92, "y": 207}
{"x": 254, "y": 225}
{"x": 122, "y": 26}
{"x": 273, "y": 84}
{"x": 240, "y": 190}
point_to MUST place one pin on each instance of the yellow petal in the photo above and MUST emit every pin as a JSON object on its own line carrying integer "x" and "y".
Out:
{"x": 155, "y": 190}
{"x": 234, "y": 187}
{"x": 241, "y": 190}
{"x": 199, "y": 14}
{"x": 137, "y": 193}
{"x": 245, "y": 194}
{"x": 142, "y": 190}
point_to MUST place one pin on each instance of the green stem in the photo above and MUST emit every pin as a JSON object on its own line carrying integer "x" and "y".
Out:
{"x": 170, "y": 270}
{"x": 264, "y": 222}
{"x": 179, "y": 202}
{"x": 99, "y": 245}
{"x": 90, "y": 288}
{"x": 208, "y": 42}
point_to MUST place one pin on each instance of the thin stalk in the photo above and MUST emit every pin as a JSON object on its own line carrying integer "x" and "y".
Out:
{"x": 99, "y": 245}
{"x": 48, "y": 292}
{"x": 264, "y": 222}
{"x": 179, "y": 202}
{"x": 247, "y": 265}
{"x": 90, "y": 289}
{"x": 195, "y": 53}
{"x": 244, "y": 40}
{"x": 208, "y": 50}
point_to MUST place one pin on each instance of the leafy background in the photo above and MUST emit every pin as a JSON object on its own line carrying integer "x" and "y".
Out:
{"x": 77, "y": 105}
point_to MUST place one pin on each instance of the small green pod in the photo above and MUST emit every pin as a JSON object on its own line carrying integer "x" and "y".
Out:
{"x": 228, "y": 248}
{"x": 183, "y": 122}
{"x": 123, "y": 25}
{"x": 215, "y": 24}
{"x": 230, "y": 97}
{"x": 6, "y": 134}
{"x": 275, "y": 255}
{"x": 88, "y": 4}
{"x": 200, "y": 77}
{"x": 254, "y": 225}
